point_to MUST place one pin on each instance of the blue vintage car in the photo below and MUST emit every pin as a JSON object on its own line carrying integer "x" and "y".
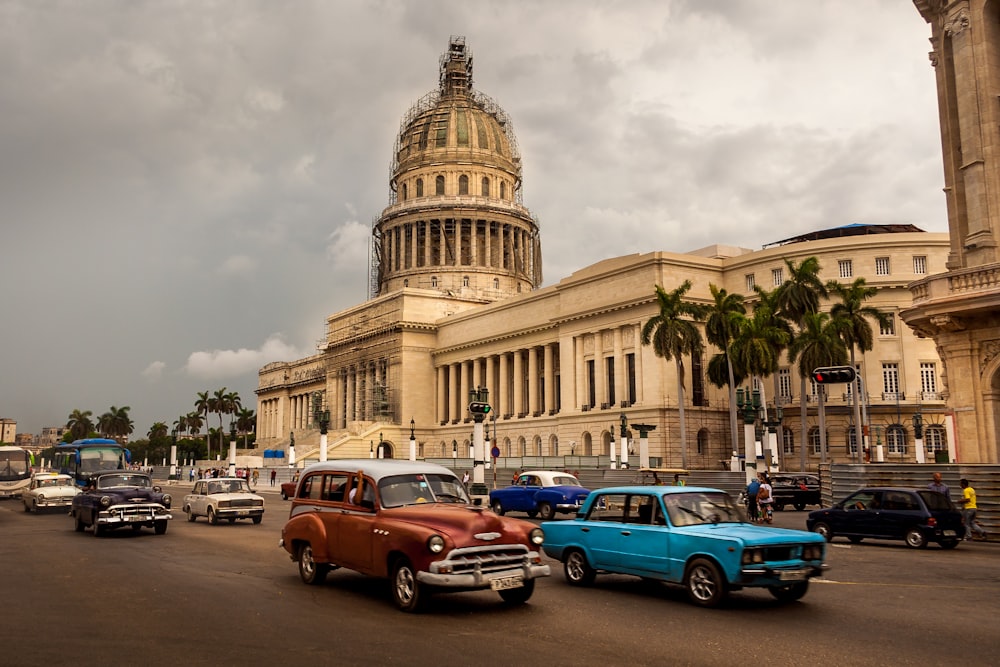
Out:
{"x": 693, "y": 536}
{"x": 118, "y": 499}
{"x": 540, "y": 493}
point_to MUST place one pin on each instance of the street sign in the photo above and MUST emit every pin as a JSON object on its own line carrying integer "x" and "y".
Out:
{"x": 495, "y": 452}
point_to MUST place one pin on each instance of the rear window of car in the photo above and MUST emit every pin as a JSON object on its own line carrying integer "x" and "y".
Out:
{"x": 936, "y": 502}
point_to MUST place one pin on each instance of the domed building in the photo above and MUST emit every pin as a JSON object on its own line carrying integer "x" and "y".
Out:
{"x": 456, "y": 304}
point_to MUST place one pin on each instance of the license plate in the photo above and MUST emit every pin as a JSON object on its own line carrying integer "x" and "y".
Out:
{"x": 504, "y": 583}
{"x": 244, "y": 513}
{"x": 792, "y": 575}
{"x": 949, "y": 533}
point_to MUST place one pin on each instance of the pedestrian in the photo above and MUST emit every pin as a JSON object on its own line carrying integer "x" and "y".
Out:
{"x": 752, "y": 509}
{"x": 191, "y": 475}
{"x": 969, "y": 510}
{"x": 274, "y": 476}
{"x": 465, "y": 479}
{"x": 517, "y": 473}
{"x": 678, "y": 481}
{"x": 765, "y": 499}
{"x": 256, "y": 476}
{"x": 938, "y": 485}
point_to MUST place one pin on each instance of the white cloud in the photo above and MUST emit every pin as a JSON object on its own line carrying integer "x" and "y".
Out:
{"x": 238, "y": 266}
{"x": 154, "y": 371}
{"x": 221, "y": 364}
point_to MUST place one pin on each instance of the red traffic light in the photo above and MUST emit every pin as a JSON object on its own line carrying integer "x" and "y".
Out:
{"x": 834, "y": 375}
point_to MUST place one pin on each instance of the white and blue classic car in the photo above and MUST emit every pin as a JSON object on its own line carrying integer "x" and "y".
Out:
{"x": 696, "y": 537}
{"x": 540, "y": 493}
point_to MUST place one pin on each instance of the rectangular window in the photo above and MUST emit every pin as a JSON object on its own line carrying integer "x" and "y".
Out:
{"x": 777, "y": 277}
{"x": 591, "y": 388}
{"x": 852, "y": 440}
{"x": 750, "y": 282}
{"x": 785, "y": 383}
{"x": 881, "y": 266}
{"x": 787, "y": 441}
{"x": 919, "y": 264}
{"x": 697, "y": 382}
{"x": 630, "y": 371}
{"x": 609, "y": 365}
{"x": 928, "y": 380}
{"x": 890, "y": 380}
{"x": 889, "y": 328}
{"x": 846, "y": 268}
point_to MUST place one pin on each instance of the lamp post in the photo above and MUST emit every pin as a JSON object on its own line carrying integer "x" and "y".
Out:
{"x": 623, "y": 445}
{"x": 381, "y": 446}
{"x": 644, "y": 430}
{"x": 371, "y": 449}
{"x": 173, "y": 455}
{"x": 291, "y": 449}
{"x": 479, "y": 407}
{"x": 748, "y": 404}
{"x": 918, "y": 436}
{"x": 613, "y": 445}
{"x": 454, "y": 451}
{"x": 321, "y": 417}
{"x": 413, "y": 441}
{"x": 772, "y": 435}
{"x": 232, "y": 448}
{"x": 879, "y": 453}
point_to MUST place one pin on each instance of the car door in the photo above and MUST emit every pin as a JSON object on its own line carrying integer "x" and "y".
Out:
{"x": 355, "y": 524}
{"x": 900, "y": 511}
{"x": 644, "y": 539}
{"x": 322, "y": 494}
{"x": 606, "y": 521}
{"x": 859, "y": 514}
{"x": 524, "y": 494}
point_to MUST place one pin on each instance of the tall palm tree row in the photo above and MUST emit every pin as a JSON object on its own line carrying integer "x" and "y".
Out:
{"x": 722, "y": 324}
{"x": 203, "y": 405}
{"x": 80, "y": 424}
{"x": 116, "y": 423}
{"x": 246, "y": 421}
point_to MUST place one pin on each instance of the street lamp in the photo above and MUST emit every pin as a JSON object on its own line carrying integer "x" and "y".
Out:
{"x": 173, "y": 455}
{"x": 772, "y": 433}
{"x": 321, "y": 417}
{"x": 413, "y": 441}
{"x": 748, "y": 404}
{"x": 623, "y": 445}
{"x": 371, "y": 449}
{"x": 381, "y": 446}
{"x": 232, "y": 448}
{"x": 918, "y": 436}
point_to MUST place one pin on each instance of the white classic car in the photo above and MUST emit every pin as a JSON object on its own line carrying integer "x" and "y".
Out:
{"x": 226, "y": 498}
{"x": 49, "y": 489}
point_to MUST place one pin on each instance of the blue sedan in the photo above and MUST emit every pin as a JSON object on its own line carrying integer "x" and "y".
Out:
{"x": 540, "y": 493}
{"x": 693, "y": 536}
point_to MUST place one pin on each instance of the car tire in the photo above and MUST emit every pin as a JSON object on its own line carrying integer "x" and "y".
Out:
{"x": 789, "y": 592}
{"x": 532, "y": 514}
{"x": 212, "y": 518}
{"x": 407, "y": 593}
{"x": 800, "y": 506}
{"x": 78, "y": 524}
{"x": 160, "y": 527}
{"x": 191, "y": 514}
{"x": 497, "y": 508}
{"x": 855, "y": 539}
{"x": 27, "y": 507}
{"x": 284, "y": 496}
{"x": 915, "y": 539}
{"x": 577, "y": 570}
{"x": 515, "y": 596}
{"x": 256, "y": 520}
{"x": 824, "y": 530}
{"x": 948, "y": 544}
{"x": 98, "y": 529}
{"x": 704, "y": 583}
{"x": 545, "y": 511}
{"x": 779, "y": 506}
{"x": 310, "y": 571}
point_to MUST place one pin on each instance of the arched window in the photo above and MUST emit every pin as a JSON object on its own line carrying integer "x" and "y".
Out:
{"x": 496, "y": 283}
{"x": 703, "y": 441}
{"x": 463, "y": 185}
{"x": 814, "y": 440}
{"x": 439, "y": 185}
{"x": 403, "y": 192}
{"x": 434, "y": 281}
{"x": 852, "y": 440}
{"x": 895, "y": 436}
{"x": 406, "y": 282}
{"x": 465, "y": 281}
{"x": 503, "y": 190}
{"x": 486, "y": 187}
{"x": 935, "y": 438}
{"x": 537, "y": 445}
{"x": 420, "y": 187}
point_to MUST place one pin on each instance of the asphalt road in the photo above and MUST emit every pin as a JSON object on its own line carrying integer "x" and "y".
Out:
{"x": 226, "y": 595}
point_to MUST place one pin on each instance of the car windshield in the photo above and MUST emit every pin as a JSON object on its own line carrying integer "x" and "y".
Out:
{"x": 125, "y": 479}
{"x": 228, "y": 486}
{"x": 565, "y": 480}
{"x": 419, "y": 488}
{"x": 701, "y": 507}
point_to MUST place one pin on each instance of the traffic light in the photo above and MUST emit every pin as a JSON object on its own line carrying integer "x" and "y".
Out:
{"x": 834, "y": 375}
{"x": 479, "y": 408}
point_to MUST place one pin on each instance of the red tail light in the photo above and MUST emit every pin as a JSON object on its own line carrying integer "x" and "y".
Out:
{"x": 932, "y": 522}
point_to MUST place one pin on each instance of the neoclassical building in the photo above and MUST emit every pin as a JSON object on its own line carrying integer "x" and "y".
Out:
{"x": 456, "y": 304}
{"x": 959, "y": 308}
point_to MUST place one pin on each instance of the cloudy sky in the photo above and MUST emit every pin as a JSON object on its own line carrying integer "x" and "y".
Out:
{"x": 187, "y": 188}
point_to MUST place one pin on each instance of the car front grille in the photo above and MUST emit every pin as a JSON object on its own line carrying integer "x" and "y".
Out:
{"x": 123, "y": 511}
{"x": 246, "y": 502}
{"x": 493, "y": 558}
{"x": 780, "y": 553}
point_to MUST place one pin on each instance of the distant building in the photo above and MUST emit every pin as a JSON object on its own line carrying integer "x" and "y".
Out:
{"x": 8, "y": 430}
{"x": 456, "y": 304}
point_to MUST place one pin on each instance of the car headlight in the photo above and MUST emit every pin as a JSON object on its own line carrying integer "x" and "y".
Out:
{"x": 752, "y": 556}
{"x": 105, "y": 501}
{"x": 435, "y": 543}
{"x": 41, "y": 496}
{"x": 537, "y": 536}
{"x": 812, "y": 552}
{"x": 166, "y": 500}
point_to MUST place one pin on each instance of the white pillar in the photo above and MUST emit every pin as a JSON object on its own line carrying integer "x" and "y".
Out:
{"x": 478, "y": 458}
{"x": 749, "y": 452}
{"x": 612, "y": 446}
{"x": 322, "y": 446}
{"x": 413, "y": 448}
{"x": 919, "y": 444}
{"x": 173, "y": 461}
{"x": 232, "y": 457}
{"x": 643, "y": 449}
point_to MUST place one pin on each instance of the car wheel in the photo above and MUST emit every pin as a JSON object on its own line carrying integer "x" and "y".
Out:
{"x": 160, "y": 527}
{"x": 406, "y": 590}
{"x": 232, "y": 520}
{"x": 824, "y": 530}
{"x": 78, "y": 524}
{"x": 98, "y": 529}
{"x": 191, "y": 514}
{"x": 800, "y": 506}
{"x": 704, "y": 582}
{"x": 284, "y": 496}
{"x": 545, "y": 512}
{"x": 915, "y": 539}
{"x": 789, "y": 593}
{"x": 212, "y": 519}
{"x": 27, "y": 507}
{"x": 520, "y": 595}
{"x": 854, "y": 539}
{"x": 948, "y": 544}
{"x": 498, "y": 508}
{"x": 532, "y": 514}
{"x": 256, "y": 520}
{"x": 312, "y": 573}
{"x": 779, "y": 506}
{"x": 577, "y": 570}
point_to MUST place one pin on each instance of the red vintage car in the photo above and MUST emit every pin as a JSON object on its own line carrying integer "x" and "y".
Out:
{"x": 410, "y": 522}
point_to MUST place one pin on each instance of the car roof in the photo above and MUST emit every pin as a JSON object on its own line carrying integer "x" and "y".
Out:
{"x": 666, "y": 471}
{"x": 908, "y": 489}
{"x": 379, "y": 468}
{"x": 645, "y": 489}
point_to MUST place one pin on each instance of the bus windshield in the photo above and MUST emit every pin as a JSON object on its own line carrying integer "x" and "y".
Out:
{"x": 83, "y": 458}
{"x": 15, "y": 471}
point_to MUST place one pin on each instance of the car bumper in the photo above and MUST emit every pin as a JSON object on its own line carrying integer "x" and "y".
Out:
{"x": 779, "y": 576}
{"x": 131, "y": 516}
{"x": 568, "y": 507}
{"x": 475, "y": 568}
{"x": 42, "y": 503}
{"x": 239, "y": 512}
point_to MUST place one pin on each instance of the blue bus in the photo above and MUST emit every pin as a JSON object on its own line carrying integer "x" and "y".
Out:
{"x": 82, "y": 458}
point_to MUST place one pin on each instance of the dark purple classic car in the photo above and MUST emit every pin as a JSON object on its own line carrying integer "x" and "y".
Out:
{"x": 121, "y": 498}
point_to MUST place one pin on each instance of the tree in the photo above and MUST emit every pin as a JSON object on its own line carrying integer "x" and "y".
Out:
{"x": 673, "y": 334}
{"x": 115, "y": 423}
{"x": 204, "y": 405}
{"x": 850, "y": 318}
{"x": 246, "y": 421}
{"x": 798, "y": 296}
{"x": 157, "y": 430}
{"x": 723, "y": 321}
{"x": 80, "y": 424}
{"x": 194, "y": 422}
{"x": 816, "y": 345}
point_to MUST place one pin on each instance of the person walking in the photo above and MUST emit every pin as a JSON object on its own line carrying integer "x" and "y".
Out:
{"x": 765, "y": 500}
{"x": 938, "y": 485}
{"x": 274, "y": 476}
{"x": 969, "y": 510}
{"x": 752, "y": 510}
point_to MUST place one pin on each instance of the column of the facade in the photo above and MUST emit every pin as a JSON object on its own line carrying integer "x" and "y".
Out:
{"x": 442, "y": 407}
{"x": 518, "y": 383}
{"x": 638, "y": 364}
{"x": 488, "y": 244}
{"x": 504, "y": 388}
{"x": 581, "y": 373}
{"x": 442, "y": 244}
{"x": 619, "y": 366}
{"x": 453, "y": 394}
{"x": 464, "y": 395}
{"x": 490, "y": 381}
{"x": 550, "y": 377}
{"x": 600, "y": 384}
{"x": 533, "y": 380}
{"x": 351, "y": 380}
{"x": 413, "y": 242}
{"x": 473, "y": 242}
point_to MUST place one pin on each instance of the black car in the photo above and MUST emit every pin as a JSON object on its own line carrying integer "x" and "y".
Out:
{"x": 121, "y": 498}
{"x": 917, "y": 516}
{"x": 795, "y": 489}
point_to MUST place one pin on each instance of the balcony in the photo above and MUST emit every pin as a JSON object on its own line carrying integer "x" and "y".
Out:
{"x": 893, "y": 396}
{"x": 931, "y": 396}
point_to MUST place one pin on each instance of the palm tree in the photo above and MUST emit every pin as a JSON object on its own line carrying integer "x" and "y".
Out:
{"x": 231, "y": 404}
{"x": 246, "y": 420}
{"x": 181, "y": 425}
{"x": 193, "y": 422}
{"x": 204, "y": 405}
{"x": 673, "y": 335}
{"x": 157, "y": 430}
{"x": 115, "y": 423}
{"x": 851, "y": 317}
{"x": 798, "y": 296}
{"x": 80, "y": 423}
{"x": 816, "y": 345}
{"x": 723, "y": 320}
